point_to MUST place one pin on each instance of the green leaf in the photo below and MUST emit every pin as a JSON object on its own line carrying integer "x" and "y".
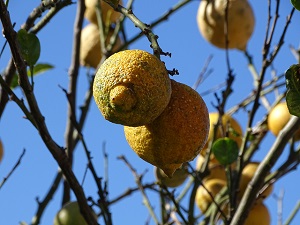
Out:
{"x": 296, "y": 4}
{"x": 292, "y": 76}
{"x": 41, "y": 68}
{"x": 30, "y": 46}
{"x": 225, "y": 150}
{"x": 37, "y": 69}
{"x": 293, "y": 103}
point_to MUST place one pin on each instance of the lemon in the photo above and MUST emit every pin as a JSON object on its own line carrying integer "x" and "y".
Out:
{"x": 278, "y": 117}
{"x": 109, "y": 15}
{"x": 258, "y": 214}
{"x": 203, "y": 198}
{"x": 178, "y": 178}
{"x": 132, "y": 88}
{"x": 228, "y": 125}
{"x": 90, "y": 47}
{"x": 211, "y": 22}
{"x": 216, "y": 171}
{"x": 70, "y": 214}
{"x": 177, "y": 135}
{"x": 246, "y": 176}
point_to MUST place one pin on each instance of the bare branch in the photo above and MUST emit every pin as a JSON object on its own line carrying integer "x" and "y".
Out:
{"x": 13, "y": 169}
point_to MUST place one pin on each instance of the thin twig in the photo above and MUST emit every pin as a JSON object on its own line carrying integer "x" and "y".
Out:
{"x": 293, "y": 214}
{"x": 37, "y": 13}
{"x": 280, "y": 207}
{"x": 72, "y": 93}
{"x": 177, "y": 206}
{"x": 102, "y": 194}
{"x": 156, "y": 22}
{"x": 204, "y": 73}
{"x": 44, "y": 203}
{"x": 138, "y": 180}
{"x": 50, "y": 14}
{"x": 13, "y": 169}
{"x": 157, "y": 51}
{"x": 130, "y": 191}
{"x": 18, "y": 101}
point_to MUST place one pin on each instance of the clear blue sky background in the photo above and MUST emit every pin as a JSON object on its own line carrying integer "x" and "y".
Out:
{"x": 178, "y": 35}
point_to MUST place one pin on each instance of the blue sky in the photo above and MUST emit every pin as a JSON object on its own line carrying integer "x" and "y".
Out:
{"x": 178, "y": 35}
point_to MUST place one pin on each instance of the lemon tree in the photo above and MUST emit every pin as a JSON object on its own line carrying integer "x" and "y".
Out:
{"x": 119, "y": 102}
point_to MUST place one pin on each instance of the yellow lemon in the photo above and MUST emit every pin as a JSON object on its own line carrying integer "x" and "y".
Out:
{"x": 90, "y": 47}
{"x": 177, "y": 135}
{"x": 109, "y": 15}
{"x": 228, "y": 125}
{"x": 216, "y": 171}
{"x": 258, "y": 215}
{"x": 132, "y": 88}
{"x": 203, "y": 198}
{"x": 246, "y": 176}
{"x": 278, "y": 118}
{"x": 211, "y": 22}
{"x": 178, "y": 178}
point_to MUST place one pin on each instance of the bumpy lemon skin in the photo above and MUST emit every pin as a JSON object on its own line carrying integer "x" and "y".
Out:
{"x": 211, "y": 22}
{"x": 109, "y": 15}
{"x": 147, "y": 88}
{"x": 177, "y": 135}
{"x": 90, "y": 46}
{"x": 278, "y": 118}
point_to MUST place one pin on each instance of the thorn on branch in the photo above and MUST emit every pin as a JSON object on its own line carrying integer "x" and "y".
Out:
{"x": 173, "y": 72}
{"x": 129, "y": 11}
{"x": 37, "y": 199}
{"x": 166, "y": 53}
{"x": 146, "y": 31}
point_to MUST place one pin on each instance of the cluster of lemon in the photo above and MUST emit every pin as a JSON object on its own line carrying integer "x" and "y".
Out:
{"x": 217, "y": 179}
{"x": 165, "y": 122}
{"x": 225, "y": 25}
{"x": 212, "y": 18}
{"x": 90, "y": 44}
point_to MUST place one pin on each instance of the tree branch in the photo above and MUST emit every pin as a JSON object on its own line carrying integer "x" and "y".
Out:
{"x": 56, "y": 151}
{"x": 262, "y": 171}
